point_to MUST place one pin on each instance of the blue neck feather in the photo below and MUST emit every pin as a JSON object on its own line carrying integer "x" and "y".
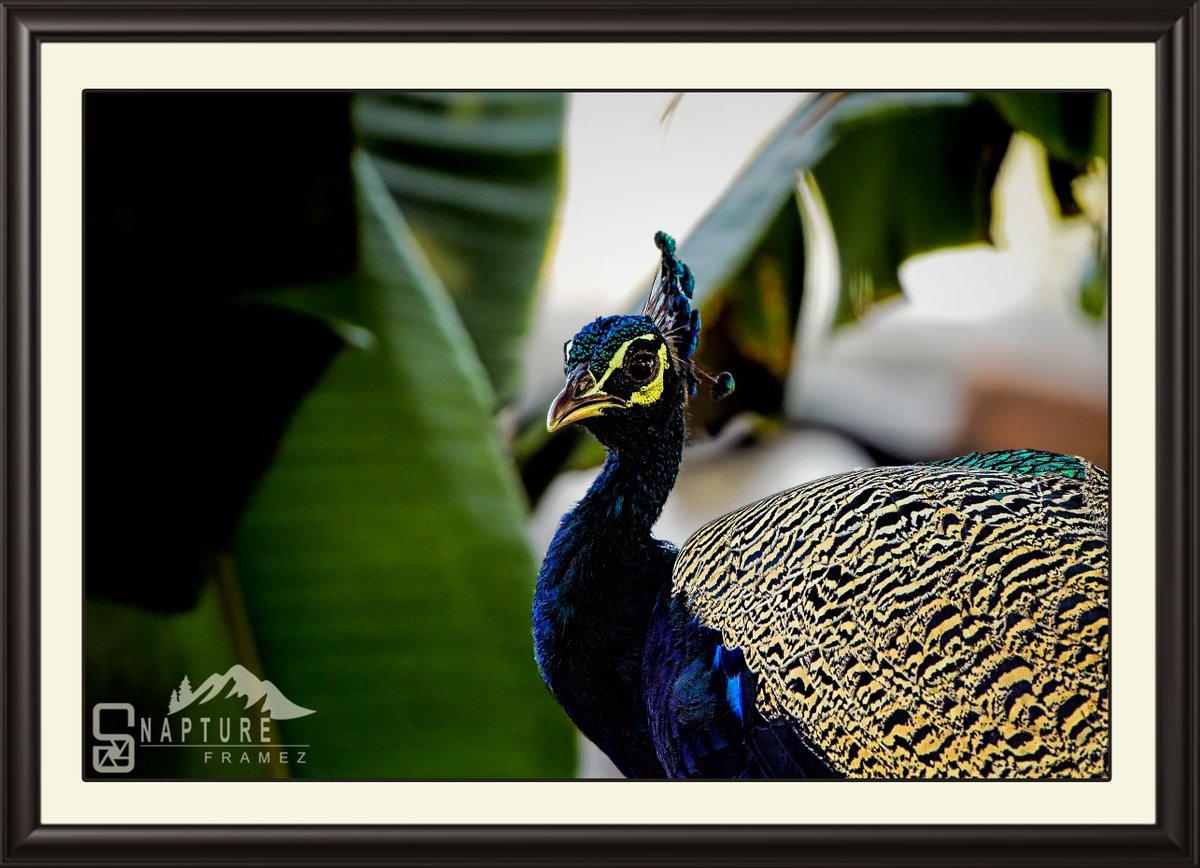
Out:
{"x": 627, "y": 497}
{"x": 597, "y": 586}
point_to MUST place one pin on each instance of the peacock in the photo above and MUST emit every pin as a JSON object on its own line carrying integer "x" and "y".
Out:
{"x": 937, "y": 620}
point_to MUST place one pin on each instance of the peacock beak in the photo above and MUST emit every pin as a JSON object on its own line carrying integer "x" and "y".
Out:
{"x": 579, "y": 399}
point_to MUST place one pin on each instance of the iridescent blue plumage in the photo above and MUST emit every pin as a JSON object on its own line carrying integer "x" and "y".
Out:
{"x": 600, "y": 579}
{"x": 640, "y": 677}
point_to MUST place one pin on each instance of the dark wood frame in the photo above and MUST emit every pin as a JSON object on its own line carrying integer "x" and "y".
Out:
{"x": 1170, "y": 24}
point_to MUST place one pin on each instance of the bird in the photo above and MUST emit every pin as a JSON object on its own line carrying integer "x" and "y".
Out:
{"x": 947, "y": 619}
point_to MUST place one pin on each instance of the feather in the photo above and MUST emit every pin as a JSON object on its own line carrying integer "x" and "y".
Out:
{"x": 669, "y": 305}
{"x": 923, "y": 621}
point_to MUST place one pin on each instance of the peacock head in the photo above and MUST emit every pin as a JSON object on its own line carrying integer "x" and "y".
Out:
{"x": 628, "y": 375}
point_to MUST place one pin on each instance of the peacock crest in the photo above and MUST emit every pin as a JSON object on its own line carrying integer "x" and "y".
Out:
{"x": 669, "y": 305}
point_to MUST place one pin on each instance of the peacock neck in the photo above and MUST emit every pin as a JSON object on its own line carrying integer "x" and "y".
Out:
{"x": 597, "y": 586}
{"x": 628, "y": 496}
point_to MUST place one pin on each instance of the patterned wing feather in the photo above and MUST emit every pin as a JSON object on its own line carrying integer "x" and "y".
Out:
{"x": 922, "y": 621}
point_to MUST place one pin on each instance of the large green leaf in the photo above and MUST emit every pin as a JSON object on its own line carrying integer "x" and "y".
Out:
{"x": 907, "y": 174}
{"x": 478, "y": 177}
{"x": 384, "y": 557}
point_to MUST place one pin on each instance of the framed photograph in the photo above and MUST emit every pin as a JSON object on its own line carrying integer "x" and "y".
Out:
{"x": 327, "y": 330}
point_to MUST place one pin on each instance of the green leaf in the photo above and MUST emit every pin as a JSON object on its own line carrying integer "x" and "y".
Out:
{"x": 1060, "y": 175}
{"x": 1074, "y": 128}
{"x": 1072, "y": 125}
{"x": 478, "y": 178}
{"x": 906, "y": 174}
{"x": 734, "y": 228}
{"x": 1093, "y": 295}
{"x": 1101, "y": 143}
{"x": 384, "y": 559}
{"x": 750, "y": 323}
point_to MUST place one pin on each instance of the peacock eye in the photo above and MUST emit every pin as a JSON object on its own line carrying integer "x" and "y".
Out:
{"x": 641, "y": 367}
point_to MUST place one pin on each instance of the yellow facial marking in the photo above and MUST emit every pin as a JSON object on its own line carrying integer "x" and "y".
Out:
{"x": 653, "y": 390}
{"x": 615, "y": 362}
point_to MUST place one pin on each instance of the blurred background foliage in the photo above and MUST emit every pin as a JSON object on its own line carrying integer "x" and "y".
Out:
{"x": 315, "y": 432}
{"x": 895, "y": 175}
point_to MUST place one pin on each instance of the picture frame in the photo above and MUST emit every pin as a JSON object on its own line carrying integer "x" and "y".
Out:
{"x": 1171, "y": 839}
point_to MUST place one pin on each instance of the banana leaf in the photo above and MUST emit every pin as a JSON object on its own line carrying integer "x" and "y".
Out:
{"x": 908, "y": 174}
{"x": 383, "y": 557}
{"x": 478, "y": 177}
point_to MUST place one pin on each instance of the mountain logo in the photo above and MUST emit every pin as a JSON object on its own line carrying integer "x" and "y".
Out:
{"x": 240, "y": 682}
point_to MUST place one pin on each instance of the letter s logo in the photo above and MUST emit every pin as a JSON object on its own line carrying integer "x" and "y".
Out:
{"x": 117, "y": 755}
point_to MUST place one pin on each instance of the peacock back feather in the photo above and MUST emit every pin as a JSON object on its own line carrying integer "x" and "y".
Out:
{"x": 943, "y": 620}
